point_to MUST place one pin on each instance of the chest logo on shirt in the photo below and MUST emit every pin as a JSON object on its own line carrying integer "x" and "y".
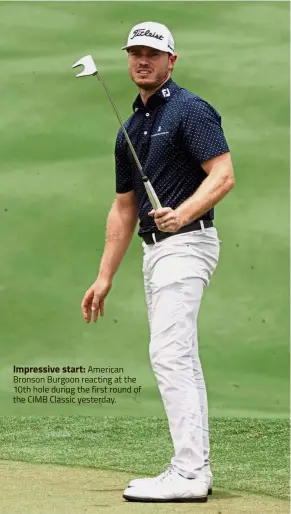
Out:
{"x": 166, "y": 92}
{"x": 159, "y": 132}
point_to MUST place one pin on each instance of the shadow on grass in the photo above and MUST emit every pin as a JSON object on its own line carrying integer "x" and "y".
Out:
{"x": 217, "y": 495}
{"x": 222, "y": 495}
{"x": 113, "y": 490}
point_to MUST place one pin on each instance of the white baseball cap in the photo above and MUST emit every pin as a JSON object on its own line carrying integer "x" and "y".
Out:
{"x": 151, "y": 34}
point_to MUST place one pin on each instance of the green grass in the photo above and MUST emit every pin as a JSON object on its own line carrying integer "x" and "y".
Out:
{"x": 248, "y": 455}
{"x": 57, "y": 185}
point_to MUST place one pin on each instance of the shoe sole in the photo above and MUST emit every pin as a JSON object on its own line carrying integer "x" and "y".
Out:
{"x": 209, "y": 491}
{"x": 201, "y": 499}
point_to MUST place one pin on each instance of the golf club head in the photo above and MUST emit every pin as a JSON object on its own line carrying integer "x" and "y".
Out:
{"x": 89, "y": 66}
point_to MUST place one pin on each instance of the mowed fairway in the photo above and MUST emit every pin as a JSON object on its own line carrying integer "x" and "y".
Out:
{"x": 250, "y": 461}
{"x": 46, "y": 489}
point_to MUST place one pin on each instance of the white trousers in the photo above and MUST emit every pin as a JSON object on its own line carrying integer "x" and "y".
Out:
{"x": 175, "y": 272}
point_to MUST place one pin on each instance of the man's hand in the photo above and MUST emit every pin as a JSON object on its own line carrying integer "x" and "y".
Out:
{"x": 93, "y": 301}
{"x": 167, "y": 219}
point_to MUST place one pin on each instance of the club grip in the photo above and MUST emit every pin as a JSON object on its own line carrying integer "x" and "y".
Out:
{"x": 151, "y": 194}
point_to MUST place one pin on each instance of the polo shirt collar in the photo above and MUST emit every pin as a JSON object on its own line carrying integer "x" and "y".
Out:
{"x": 162, "y": 95}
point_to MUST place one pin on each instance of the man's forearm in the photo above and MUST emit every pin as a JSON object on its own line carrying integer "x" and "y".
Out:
{"x": 216, "y": 185}
{"x": 120, "y": 228}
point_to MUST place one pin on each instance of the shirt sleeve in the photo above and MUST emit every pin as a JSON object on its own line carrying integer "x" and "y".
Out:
{"x": 203, "y": 135}
{"x": 122, "y": 166}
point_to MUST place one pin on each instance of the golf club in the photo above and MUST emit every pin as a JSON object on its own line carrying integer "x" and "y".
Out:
{"x": 91, "y": 69}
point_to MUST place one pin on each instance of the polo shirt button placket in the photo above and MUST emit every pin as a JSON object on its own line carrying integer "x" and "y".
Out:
{"x": 145, "y": 130}
{"x": 147, "y": 124}
{"x": 146, "y": 133}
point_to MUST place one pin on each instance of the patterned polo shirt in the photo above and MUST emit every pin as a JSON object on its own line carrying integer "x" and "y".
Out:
{"x": 173, "y": 134}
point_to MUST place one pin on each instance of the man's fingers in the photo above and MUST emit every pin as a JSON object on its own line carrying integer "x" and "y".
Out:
{"x": 168, "y": 218}
{"x": 95, "y": 314}
{"x": 101, "y": 307}
{"x": 86, "y": 306}
{"x": 95, "y": 308}
{"x": 164, "y": 222}
{"x": 160, "y": 213}
{"x": 93, "y": 301}
{"x": 86, "y": 314}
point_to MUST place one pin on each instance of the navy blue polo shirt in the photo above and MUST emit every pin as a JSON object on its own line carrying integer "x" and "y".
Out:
{"x": 172, "y": 135}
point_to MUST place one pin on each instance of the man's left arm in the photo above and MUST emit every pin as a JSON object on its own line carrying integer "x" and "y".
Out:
{"x": 205, "y": 142}
{"x": 219, "y": 181}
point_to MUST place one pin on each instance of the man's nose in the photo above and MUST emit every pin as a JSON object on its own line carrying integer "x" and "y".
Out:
{"x": 144, "y": 60}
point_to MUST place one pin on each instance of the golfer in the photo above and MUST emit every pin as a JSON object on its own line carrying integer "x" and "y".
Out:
{"x": 182, "y": 148}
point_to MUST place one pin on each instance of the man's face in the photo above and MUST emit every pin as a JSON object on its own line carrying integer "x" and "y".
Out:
{"x": 149, "y": 67}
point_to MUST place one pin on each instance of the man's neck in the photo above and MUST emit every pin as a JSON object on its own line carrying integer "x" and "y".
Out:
{"x": 145, "y": 94}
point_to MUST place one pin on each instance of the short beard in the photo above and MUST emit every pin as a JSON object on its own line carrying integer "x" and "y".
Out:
{"x": 160, "y": 79}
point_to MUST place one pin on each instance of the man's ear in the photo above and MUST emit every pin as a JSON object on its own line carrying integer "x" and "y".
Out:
{"x": 173, "y": 58}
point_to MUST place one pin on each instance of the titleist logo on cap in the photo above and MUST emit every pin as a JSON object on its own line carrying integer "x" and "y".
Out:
{"x": 146, "y": 32}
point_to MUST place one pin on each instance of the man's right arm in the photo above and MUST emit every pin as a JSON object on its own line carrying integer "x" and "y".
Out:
{"x": 121, "y": 223}
{"x": 123, "y": 215}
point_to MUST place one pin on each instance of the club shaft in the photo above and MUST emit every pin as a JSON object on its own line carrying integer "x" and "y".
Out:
{"x": 149, "y": 188}
{"x": 121, "y": 124}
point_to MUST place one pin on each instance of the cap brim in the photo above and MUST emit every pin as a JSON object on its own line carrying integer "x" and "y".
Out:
{"x": 149, "y": 46}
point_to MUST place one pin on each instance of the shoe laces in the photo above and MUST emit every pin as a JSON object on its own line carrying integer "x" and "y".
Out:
{"x": 168, "y": 470}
